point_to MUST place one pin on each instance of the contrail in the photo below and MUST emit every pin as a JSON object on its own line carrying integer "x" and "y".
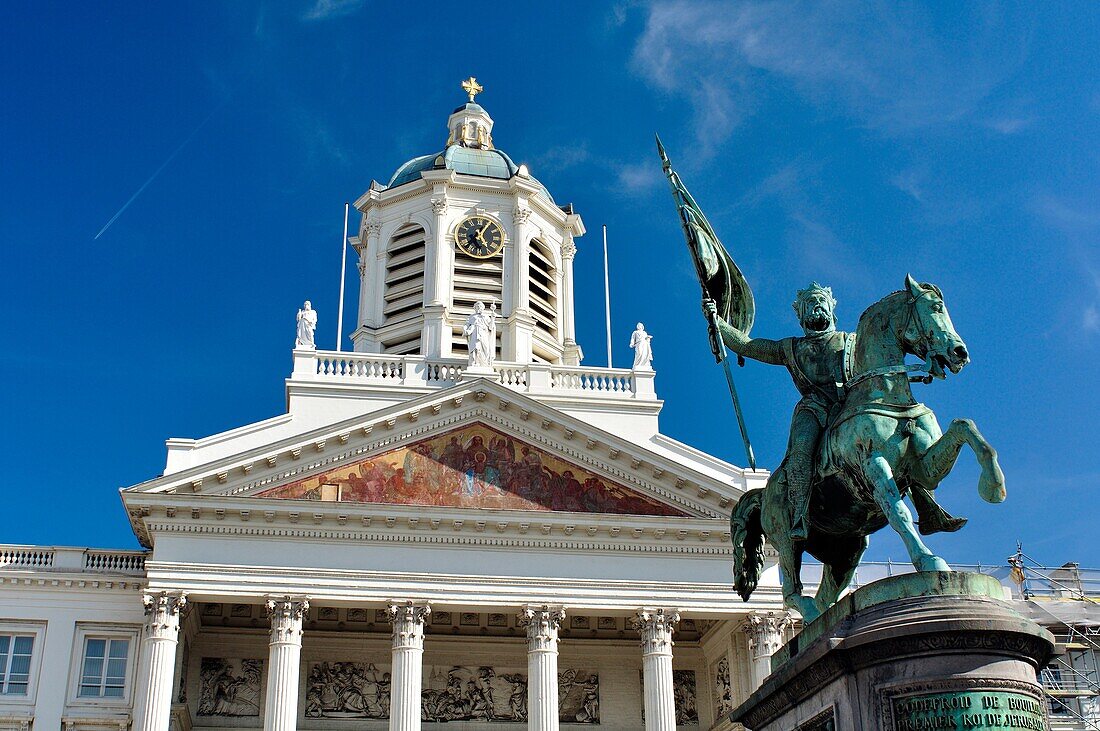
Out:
{"x": 158, "y": 170}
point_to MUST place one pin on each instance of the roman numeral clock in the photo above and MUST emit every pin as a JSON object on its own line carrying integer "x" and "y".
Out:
{"x": 479, "y": 236}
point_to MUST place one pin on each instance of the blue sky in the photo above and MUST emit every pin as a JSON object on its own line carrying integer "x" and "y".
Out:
{"x": 844, "y": 142}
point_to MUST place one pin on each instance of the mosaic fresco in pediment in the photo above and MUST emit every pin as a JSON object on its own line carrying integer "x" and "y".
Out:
{"x": 472, "y": 467}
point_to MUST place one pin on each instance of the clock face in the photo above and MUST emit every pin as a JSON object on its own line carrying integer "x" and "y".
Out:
{"x": 480, "y": 237}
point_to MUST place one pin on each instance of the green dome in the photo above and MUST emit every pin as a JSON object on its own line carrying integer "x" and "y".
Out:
{"x": 466, "y": 160}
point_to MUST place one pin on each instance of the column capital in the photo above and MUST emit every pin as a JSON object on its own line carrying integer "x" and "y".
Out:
{"x": 568, "y": 249}
{"x": 162, "y": 613}
{"x": 373, "y": 227}
{"x": 765, "y": 631}
{"x": 286, "y": 615}
{"x": 542, "y": 623}
{"x": 656, "y": 627}
{"x": 439, "y": 205}
{"x": 520, "y": 215}
{"x": 408, "y": 623}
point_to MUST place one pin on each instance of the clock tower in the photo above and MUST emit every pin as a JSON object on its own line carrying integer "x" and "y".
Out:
{"x": 461, "y": 226}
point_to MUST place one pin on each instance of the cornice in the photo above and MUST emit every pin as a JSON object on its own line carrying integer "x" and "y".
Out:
{"x": 313, "y": 520}
{"x": 68, "y": 582}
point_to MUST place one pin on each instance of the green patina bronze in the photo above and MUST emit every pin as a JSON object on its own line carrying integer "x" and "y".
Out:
{"x": 859, "y": 442}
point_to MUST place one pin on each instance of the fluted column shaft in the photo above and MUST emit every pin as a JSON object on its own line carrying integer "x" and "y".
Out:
{"x": 284, "y": 656}
{"x": 407, "y": 664}
{"x": 656, "y": 627}
{"x": 765, "y": 631}
{"x": 158, "y": 660}
{"x": 542, "y": 625}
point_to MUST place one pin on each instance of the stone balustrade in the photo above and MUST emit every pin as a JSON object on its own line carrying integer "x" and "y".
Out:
{"x": 418, "y": 372}
{"x": 71, "y": 560}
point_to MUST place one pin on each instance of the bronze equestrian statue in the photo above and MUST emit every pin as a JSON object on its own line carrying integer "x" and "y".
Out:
{"x": 859, "y": 442}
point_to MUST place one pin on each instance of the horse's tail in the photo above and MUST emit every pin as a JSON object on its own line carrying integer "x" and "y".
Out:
{"x": 748, "y": 542}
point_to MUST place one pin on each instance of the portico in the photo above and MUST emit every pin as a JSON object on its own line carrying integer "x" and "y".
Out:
{"x": 401, "y": 667}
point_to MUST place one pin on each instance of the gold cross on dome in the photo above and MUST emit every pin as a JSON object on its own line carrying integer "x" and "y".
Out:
{"x": 471, "y": 87}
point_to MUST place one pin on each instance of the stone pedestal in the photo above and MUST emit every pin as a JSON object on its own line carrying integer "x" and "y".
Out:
{"x": 920, "y": 651}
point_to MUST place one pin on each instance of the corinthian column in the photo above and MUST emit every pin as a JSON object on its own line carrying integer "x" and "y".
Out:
{"x": 542, "y": 625}
{"x": 656, "y": 626}
{"x": 765, "y": 631}
{"x": 158, "y": 660}
{"x": 407, "y": 664}
{"x": 284, "y": 654}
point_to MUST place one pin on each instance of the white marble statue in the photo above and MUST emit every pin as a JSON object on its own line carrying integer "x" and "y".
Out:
{"x": 481, "y": 334}
{"x": 643, "y": 351}
{"x": 307, "y": 325}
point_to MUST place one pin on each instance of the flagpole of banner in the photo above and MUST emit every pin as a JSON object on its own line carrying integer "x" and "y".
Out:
{"x": 733, "y": 390}
{"x": 695, "y": 225}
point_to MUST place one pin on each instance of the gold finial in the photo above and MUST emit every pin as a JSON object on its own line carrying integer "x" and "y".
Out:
{"x": 471, "y": 87}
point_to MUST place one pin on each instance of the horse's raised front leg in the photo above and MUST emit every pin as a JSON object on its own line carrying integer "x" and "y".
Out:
{"x": 897, "y": 513}
{"x": 940, "y": 458}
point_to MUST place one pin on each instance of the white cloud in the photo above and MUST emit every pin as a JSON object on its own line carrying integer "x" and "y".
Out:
{"x": 880, "y": 63}
{"x": 911, "y": 182}
{"x": 639, "y": 177}
{"x": 1010, "y": 125}
{"x": 1065, "y": 216}
{"x": 561, "y": 157}
{"x": 326, "y": 9}
{"x": 786, "y": 184}
{"x": 1090, "y": 319}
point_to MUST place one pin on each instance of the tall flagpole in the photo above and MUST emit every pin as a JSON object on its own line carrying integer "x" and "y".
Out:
{"x": 343, "y": 269}
{"x": 607, "y": 296}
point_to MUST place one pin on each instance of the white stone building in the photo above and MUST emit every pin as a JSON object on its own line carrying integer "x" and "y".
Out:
{"x": 413, "y": 542}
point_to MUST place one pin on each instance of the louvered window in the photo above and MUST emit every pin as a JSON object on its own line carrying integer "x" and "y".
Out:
{"x": 543, "y": 289}
{"x": 404, "y": 276}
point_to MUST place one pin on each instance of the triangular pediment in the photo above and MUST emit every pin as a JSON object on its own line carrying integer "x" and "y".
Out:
{"x": 366, "y": 467}
{"x": 472, "y": 466}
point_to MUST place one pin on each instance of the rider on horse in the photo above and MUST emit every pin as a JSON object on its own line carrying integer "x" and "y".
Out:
{"x": 815, "y": 362}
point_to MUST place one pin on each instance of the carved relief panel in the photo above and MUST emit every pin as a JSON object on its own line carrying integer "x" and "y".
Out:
{"x": 356, "y": 690}
{"x": 229, "y": 687}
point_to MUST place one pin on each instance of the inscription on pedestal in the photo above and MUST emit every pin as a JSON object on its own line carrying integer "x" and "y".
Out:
{"x": 988, "y": 710}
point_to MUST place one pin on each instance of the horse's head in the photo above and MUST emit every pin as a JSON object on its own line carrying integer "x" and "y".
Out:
{"x": 929, "y": 333}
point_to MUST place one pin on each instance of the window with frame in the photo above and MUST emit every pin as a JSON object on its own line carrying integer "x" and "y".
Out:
{"x": 15, "y": 663}
{"x": 103, "y": 667}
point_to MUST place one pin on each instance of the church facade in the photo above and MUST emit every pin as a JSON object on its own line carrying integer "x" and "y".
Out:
{"x": 456, "y": 522}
